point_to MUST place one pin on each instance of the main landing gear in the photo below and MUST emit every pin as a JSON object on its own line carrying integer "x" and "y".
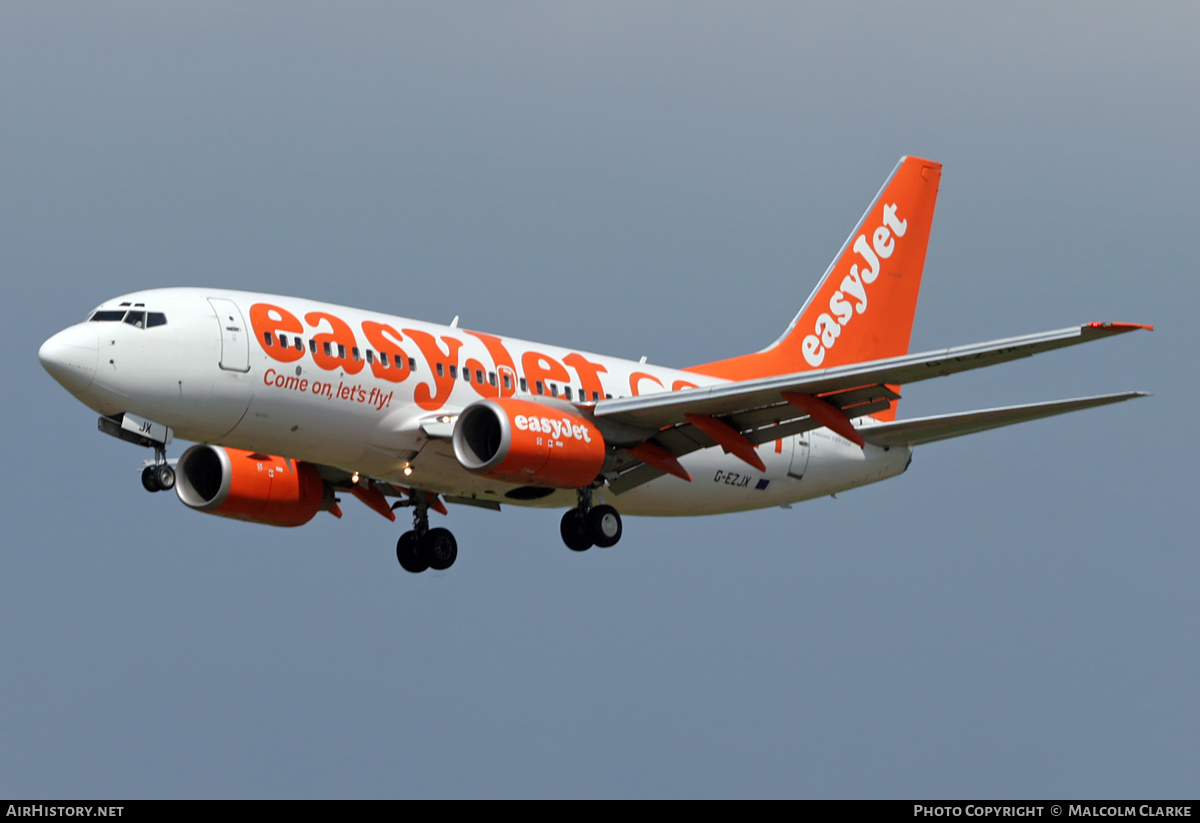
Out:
{"x": 425, "y": 548}
{"x": 589, "y": 525}
{"x": 158, "y": 477}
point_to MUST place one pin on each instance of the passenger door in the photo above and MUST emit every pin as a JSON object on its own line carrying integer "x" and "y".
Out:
{"x": 235, "y": 340}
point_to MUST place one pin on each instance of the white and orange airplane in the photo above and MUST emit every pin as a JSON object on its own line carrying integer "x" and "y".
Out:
{"x": 292, "y": 402}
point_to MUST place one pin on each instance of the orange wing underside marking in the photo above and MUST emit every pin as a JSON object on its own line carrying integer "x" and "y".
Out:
{"x": 828, "y": 415}
{"x": 728, "y": 438}
{"x": 374, "y": 499}
{"x": 654, "y": 455}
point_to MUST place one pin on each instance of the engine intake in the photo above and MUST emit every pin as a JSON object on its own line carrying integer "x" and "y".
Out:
{"x": 258, "y": 488}
{"x": 519, "y": 441}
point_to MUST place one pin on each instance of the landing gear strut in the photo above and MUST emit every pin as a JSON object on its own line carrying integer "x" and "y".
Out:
{"x": 158, "y": 477}
{"x": 425, "y": 548}
{"x": 589, "y": 525}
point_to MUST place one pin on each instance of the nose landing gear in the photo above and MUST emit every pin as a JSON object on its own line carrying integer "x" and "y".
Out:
{"x": 425, "y": 548}
{"x": 589, "y": 525}
{"x": 159, "y": 477}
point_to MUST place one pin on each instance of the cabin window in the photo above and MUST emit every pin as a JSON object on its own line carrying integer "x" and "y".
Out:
{"x": 524, "y": 385}
{"x": 267, "y": 339}
{"x": 441, "y": 370}
{"x": 412, "y": 363}
{"x": 341, "y": 352}
{"x": 370, "y": 356}
{"x": 595, "y": 395}
{"x": 155, "y": 318}
{"x": 122, "y": 304}
{"x": 354, "y": 353}
{"x": 312, "y": 345}
{"x": 479, "y": 377}
{"x": 299, "y": 344}
{"x": 467, "y": 375}
{"x": 540, "y": 390}
{"x": 328, "y": 349}
{"x": 567, "y": 391}
{"x": 608, "y": 397}
{"x": 507, "y": 382}
{"x": 137, "y": 319}
{"x": 453, "y": 371}
{"x": 492, "y": 378}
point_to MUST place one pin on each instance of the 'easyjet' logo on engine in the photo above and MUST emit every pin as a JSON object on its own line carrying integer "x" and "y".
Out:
{"x": 827, "y": 329}
{"x": 555, "y": 428}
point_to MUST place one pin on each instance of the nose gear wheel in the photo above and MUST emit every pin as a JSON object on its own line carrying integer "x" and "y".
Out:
{"x": 159, "y": 477}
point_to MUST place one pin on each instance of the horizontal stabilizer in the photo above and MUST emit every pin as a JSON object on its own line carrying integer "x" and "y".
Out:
{"x": 944, "y": 426}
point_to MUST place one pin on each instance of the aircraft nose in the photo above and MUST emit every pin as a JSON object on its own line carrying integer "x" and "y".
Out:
{"x": 70, "y": 356}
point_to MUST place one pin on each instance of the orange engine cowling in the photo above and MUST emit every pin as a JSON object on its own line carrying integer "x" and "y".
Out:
{"x": 259, "y": 488}
{"x": 519, "y": 441}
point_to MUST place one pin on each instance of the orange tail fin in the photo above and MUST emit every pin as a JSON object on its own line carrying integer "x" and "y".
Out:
{"x": 864, "y": 305}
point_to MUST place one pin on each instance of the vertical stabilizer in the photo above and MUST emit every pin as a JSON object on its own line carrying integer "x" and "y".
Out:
{"x": 864, "y": 305}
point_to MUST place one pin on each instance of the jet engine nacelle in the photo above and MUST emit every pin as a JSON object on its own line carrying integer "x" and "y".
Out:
{"x": 259, "y": 488}
{"x": 519, "y": 441}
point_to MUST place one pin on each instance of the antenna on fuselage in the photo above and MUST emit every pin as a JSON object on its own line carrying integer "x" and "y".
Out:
{"x": 454, "y": 322}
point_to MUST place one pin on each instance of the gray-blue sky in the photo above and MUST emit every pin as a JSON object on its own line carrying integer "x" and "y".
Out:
{"x": 1013, "y": 617}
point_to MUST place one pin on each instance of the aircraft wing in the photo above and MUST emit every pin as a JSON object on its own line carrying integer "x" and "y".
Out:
{"x": 768, "y": 408}
{"x": 921, "y": 430}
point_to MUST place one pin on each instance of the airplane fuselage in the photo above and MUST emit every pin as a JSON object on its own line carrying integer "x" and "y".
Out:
{"x": 377, "y": 394}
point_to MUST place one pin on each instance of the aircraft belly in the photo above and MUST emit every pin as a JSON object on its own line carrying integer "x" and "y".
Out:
{"x": 435, "y": 468}
{"x": 835, "y": 464}
{"x": 720, "y": 483}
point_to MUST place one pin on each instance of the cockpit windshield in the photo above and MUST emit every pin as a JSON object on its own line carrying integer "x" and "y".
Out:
{"x": 136, "y": 318}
